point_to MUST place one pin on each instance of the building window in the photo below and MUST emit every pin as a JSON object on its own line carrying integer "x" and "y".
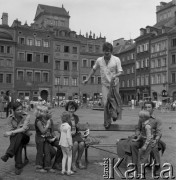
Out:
{"x": 45, "y": 77}
{"x": 58, "y": 48}
{"x": 99, "y": 80}
{"x": 97, "y": 49}
{"x": 173, "y": 59}
{"x": 84, "y": 63}
{"x": 123, "y": 83}
{"x": 158, "y": 78}
{"x": 173, "y": 77}
{"x": 38, "y": 42}
{"x": 57, "y": 80}
{"x": 163, "y": 62}
{"x": 9, "y": 62}
{"x": 132, "y": 82}
{"x": 29, "y": 76}
{"x": 29, "y": 42}
{"x": 142, "y": 81}
{"x": 84, "y": 78}
{"x": 9, "y": 49}
{"x": 21, "y": 56}
{"x": 74, "y": 81}
{"x": 75, "y": 50}
{"x": 146, "y": 80}
{"x": 66, "y": 81}
{"x": 92, "y": 62}
{"x": 66, "y": 66}
{"x": 153, "y": 64}
{"x": 132, "y": 69}
{"x": 37, "y": 58}
{"x": 66, "y": 49}
{"x": 159, "y": 62}
{"x": 163, "y": 78}
{"x": 74, "y": 66}
{"x": 137, "y": 64}
{"x": 1, "y": 78}
{"x": 83, "y": 48}
{"x": 29, "y": 57}
{"x": 45, "y": 44}
{"x": 128, "y": 71}
{"x": 138, "y": 81}
{"x": 128, "y": 83}
{"x": 8, "y": 78}
{"x": 92, "y": 80}
{"x": 147, "y": 62}
{"x": 1, "y": 62}
{"x": 20, "y": 75}
{"x": 21, "y": 40}
{"x": 46, "y": 59}
{"x": 174, "y": 42}
{"x": 152, "y": 79}
{"x": 2, "y": 49}
{"x": 57, "y": 64}
{"x": 90, "y": 48}
{"x": 37, "y": 77}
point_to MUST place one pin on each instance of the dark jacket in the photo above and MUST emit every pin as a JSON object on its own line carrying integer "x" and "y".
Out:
{"x": 114, "y": 103}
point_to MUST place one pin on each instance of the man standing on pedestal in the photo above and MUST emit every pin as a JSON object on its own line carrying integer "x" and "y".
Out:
{"x": 110, "y": 69}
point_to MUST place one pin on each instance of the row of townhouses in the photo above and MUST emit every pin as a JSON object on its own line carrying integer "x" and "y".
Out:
{"x": 50, "y": 60}
{"x": 47, "y": 58}
{"x": 149, "y": 63}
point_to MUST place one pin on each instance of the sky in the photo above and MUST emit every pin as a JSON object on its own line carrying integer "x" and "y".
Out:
{"x": 114, "y": 19}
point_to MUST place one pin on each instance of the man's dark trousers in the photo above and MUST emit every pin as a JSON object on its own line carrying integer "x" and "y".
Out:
{"x": 15, "y": 148}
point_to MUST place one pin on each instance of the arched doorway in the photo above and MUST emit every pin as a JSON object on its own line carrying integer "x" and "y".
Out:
{"x": 44, "y": 94}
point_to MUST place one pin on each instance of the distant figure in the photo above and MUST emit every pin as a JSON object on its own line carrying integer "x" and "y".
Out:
{"x": 132, "y": 104}
{"x": 2, "y": 104}
{"x": 8, "y": 99}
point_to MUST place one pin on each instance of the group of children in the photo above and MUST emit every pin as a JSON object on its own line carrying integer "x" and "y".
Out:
{"x": 45, "y": 140}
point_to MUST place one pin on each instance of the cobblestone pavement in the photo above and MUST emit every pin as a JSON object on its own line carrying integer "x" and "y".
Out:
{"x": 94, "y": 170}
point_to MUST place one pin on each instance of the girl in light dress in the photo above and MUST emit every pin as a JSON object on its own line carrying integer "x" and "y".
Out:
{"x": 66, "y": 143}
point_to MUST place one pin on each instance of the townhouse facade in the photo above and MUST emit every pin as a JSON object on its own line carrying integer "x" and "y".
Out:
{"x": 7, "y": 55}
{"x": 48, "y": 57}
{"x": 172, "y": 63}
{"x": 143, "y": 65}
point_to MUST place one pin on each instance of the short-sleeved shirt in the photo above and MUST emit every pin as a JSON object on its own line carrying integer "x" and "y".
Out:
{"x": 22, "y": 122}
{"x": 107, "y": 71}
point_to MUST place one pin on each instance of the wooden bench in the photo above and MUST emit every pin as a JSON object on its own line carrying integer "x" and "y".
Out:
{"x": 93, "y": 128}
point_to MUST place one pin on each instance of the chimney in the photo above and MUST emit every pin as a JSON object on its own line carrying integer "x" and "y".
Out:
{"x": 5, "y": 19}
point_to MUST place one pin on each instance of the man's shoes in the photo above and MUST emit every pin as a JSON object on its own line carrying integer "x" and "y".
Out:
{"x": 41, "y": 170}
{"x": 114, "y": 118}
{"x": 57, "y": 166}
{"x": 26, "y": 161}
{"x": 18, "y": 171}
{"x": 80, "y": 166}
{"x": 107, "y": 126}
{"x": 5, "y": 157}
{"x": 51, "y": 171}
{"x": 73, "y": 168}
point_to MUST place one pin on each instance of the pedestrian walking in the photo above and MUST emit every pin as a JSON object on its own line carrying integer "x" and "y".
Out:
{"x": 8, "y": 99}
{"x": 110, "y": 70}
